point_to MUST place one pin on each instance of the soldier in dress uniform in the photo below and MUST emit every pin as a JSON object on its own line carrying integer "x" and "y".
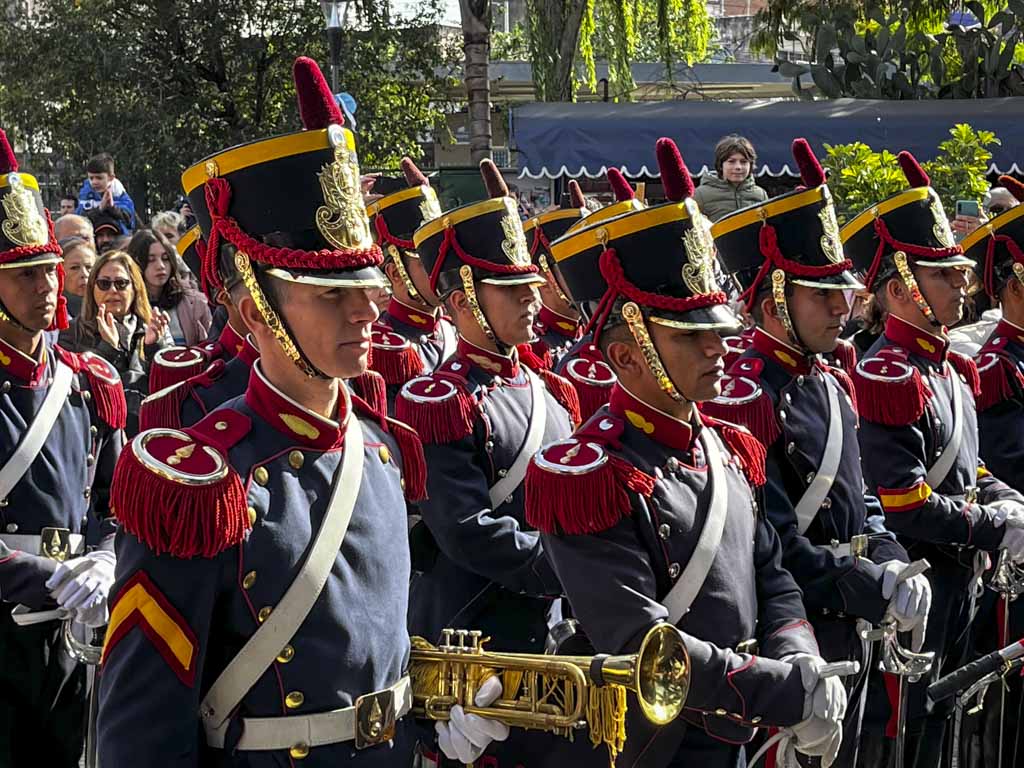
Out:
{"x": 582, "y": 364}
{"x": 787, "y": 257}
{"x": 263, "y": 587}
{"x": 649, "y": 513}
{"x": 413, "y": 336}
{"x": 558, "y": 322}
{"x": 61, "y": 416}
{"x": 918, "y": 431}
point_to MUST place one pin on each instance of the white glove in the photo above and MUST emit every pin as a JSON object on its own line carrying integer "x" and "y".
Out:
{"x": 824, "y": 698}
{"x": 1009, "y": 512}
{"x": 817, "y": 738}
{"x": 83, "y": 582}
{"x": 465, "y": 737}
{"x": 909, "y": 601}
{"x": 1013, "y": 543}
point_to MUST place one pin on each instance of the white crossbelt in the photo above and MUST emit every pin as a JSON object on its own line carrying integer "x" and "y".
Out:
{"x": 685, "y": 591}
{"x": 506, "y": 486}
{"x": 448, "y": 340}
{"x": 260, "y": 651}
{"x": 269, "y": 733}
{"x": 945, "y": 462}
{"x": 817, "y": 490}
{"x": 34, "y": 438}
{"x": 32, "y": 543}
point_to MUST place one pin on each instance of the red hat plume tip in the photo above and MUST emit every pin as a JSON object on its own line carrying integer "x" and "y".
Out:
{"x": 811, "y": 172}
{"x": 576, "y": 198}
{"x": 317, "y": 106}
{"x": 413, "y": 176}
{"x": 913, "y": 171}
{"x": 8, "y": 162}
{"x": 621, "y": 187}
{"x": 493, "y": 181}
{"x": 1014, "y": 187}
{"x": 675, "y": 176}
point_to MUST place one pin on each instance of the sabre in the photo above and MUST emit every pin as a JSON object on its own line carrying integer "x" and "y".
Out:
{"x": 1008, "y": 581}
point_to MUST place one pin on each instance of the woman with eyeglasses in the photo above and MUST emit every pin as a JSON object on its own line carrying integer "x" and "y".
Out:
{"x": 118, "y": 324}
{"x": 187, "y": 308}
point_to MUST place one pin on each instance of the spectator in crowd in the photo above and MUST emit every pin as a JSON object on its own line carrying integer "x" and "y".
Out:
{"x": 999, "y": 200}
{"x": 79, "y": 258}
{"x": 732, "y": 185}
{"x": 108, "y": 226}
{"x": 68, "y": 203}
{"x": 118, "y": 324}
{"x": 102, "y": 189}
{"x": 187, "y": 309}
{"x": 73, "y": 225}
{"x": 168, "y": 224}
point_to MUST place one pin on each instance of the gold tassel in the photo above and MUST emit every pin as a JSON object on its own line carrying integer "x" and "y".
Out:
{"x": 606, "y": 714}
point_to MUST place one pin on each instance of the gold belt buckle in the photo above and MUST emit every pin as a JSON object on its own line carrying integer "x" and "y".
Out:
{"x": 375, "y": 718}
{"x": 55, "y": 543}
{"x": 748, "y": 646}
{"x": 859, "y": 545}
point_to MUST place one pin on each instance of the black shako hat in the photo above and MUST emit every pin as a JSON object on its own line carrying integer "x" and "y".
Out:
{"x": 998, "y": 244}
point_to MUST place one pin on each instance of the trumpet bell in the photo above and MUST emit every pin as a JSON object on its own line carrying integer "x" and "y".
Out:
{"x": 662, "y": 674}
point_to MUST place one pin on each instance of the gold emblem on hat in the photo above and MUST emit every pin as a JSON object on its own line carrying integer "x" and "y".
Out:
{"x": 941, "y": 228}
{"x": 514, "y": 244}
{"x": 831, "y": 243}
{"x": 342, "y": 218}
{"x": 699, "y": 274}
{"x": 430, "y": 208}
{"x": 24, "y": 224}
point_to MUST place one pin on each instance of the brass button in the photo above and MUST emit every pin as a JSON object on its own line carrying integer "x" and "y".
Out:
{"x": 673, "y": 570}
{"x": 287, "y": 654}
{"x": 90, "y": 460}
{"x": 261, "y": 475}
{"x": 252, "y": 515}
{"x": 664, "y": 531}
{"x": 384, "y": 453}
{"x": 264, "y": 613}
{"x": 220, "y": 426}
{"x": 755, "y": 720}
{"x": 294, "y": 700}
{"x": 296, "y": 459}
{"x": 93, "y": 430}
{"x": 299, "y": 751}
{"x": 721, "y": 712}
{"x": 248, "y": 580}
{"x": 12, "y": 527}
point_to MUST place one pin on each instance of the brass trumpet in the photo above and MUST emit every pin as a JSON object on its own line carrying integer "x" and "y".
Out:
{"x": 553, "y": 693}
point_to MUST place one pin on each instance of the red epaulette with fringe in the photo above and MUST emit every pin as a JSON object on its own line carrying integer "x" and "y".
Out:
{"x": 175, "y": 491}
{"x": 1000, "y": 376}
{"x": 846, "y": 383}
{"x": 172, "y": 365}
{"x": 104, "y": 384}
{"x": 889, "y": 388}
{"x": 540, "y": 348}
{"x": 845, "y": 355}
{"x": 744, "y": 401}
{"x": 163, "y": 407}
{"x": 592, "y": 378}
{"x": 967, "y": 370}
{"x": 558, "y": 386}
{"x": 440, "y": 406}
{"x": 371, "y": 388}
{"x": 578, "y": 486}
{"x": 745, "y": 446}
{"x": 393, "y": 356}
{"x": 414, "y": 464}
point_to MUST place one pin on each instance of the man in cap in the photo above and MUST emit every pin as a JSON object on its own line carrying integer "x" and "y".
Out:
{"x": 413, "y": 336}
{"x": 918, "y": 432}
{"x": 649, "y": 513}
{"x": 61, "y": 416}
{"x": 263, "y": 587}
{"x": 787, "y": 257}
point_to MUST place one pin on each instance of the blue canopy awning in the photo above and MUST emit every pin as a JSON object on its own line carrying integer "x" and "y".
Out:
{"x": 572, "y": 140}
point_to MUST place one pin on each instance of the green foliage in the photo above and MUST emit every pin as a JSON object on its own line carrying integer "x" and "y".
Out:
{"x": 209, "y": 74}
{"x": 860, "y": 177}
{"x": 958, "y": 171}
{"x": 510, "y": 46}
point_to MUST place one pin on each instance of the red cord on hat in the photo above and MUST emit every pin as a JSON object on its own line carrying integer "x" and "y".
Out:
{"x": 990, "y": 252}
{"x": 450, "y": 242}
{"x": 885, "y": 238}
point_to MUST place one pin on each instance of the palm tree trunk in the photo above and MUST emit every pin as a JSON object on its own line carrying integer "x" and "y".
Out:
{"x": 476, "y": 36}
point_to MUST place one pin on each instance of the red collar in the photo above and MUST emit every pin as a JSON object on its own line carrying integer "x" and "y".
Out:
{"x": 488, "y": 361}
{"x": 231, "y": 342}
{"x": 792, "y": 360}
{"x": 914, "y": 340}
{"x": 291, "y": 419}
{"x": 21, "y": 366}
{"x": 249, "y": 353}
{"x": 1008, "y": 330}
{"x": 657, "y": 425}
{"x": 403, "y": 313}
{"x": 560, "y": 324}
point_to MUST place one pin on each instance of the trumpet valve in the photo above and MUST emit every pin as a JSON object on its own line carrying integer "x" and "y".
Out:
{"x": 474, "y": 641}
{"x": 446, "y": 639}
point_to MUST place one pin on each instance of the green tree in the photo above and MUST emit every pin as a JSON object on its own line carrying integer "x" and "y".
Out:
{"x": 210, "y": 74}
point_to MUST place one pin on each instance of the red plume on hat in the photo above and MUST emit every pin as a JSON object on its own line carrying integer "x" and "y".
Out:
{"x": 675, "y": 176}
{"x": 413, "y": 176}
{"x": 493, "y": 181}
{"x": 1013, "y": 186}
{"x": 913, "y": 171}
{"x": 317, "y": 106}
{"x": 8, "y": 162}
{"x": 576, "y": 199}
{"x": 811, "y": 172}
{"x": 622, "y": 189}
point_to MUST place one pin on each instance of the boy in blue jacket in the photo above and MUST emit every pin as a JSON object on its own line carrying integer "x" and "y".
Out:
{"x": 102, "y": 189}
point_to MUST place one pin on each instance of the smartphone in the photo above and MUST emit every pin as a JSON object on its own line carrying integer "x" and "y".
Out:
{"x": 968, "y": 208}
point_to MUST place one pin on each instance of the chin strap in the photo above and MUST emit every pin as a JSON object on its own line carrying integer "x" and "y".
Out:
{"x": 907, "y": 275}
{"x": 634, "y": 318}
